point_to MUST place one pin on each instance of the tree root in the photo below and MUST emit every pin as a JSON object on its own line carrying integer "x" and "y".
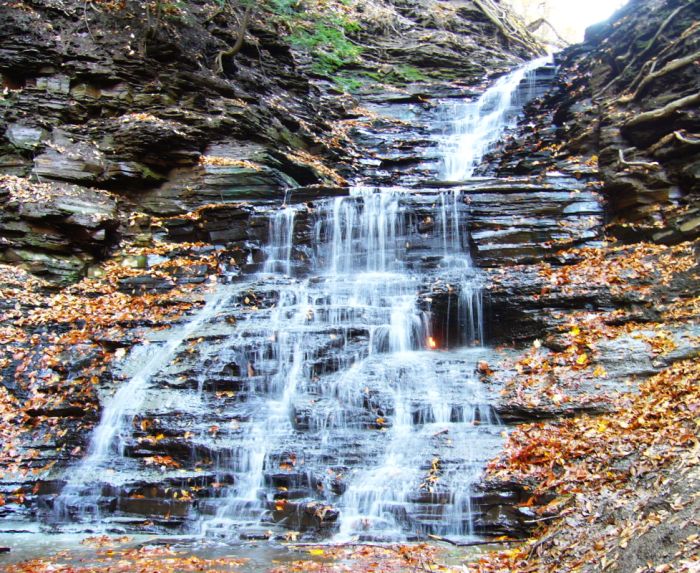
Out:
{"x": 663, "y": 112}
{"x": 644, "y": 71}
{"x": 660, "y": 31}
{"x": 496, "y": 21}
{"x": 231, "y": 52}
{"x": 680, "y": 136}
{"x": 671, "y": 66}
{"x": 646, "y": 164}
{"x": 644, "y": 53}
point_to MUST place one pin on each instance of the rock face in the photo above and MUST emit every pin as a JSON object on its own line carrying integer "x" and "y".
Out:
{"x": 55, "y": 230}
{"x": 101, "y": 100}
{"x": 441, "y": 40}
{"x": 627, "y": 99}
{"x": 121, "y": 99}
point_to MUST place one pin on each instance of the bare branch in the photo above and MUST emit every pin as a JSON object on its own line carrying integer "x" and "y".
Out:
{"x": 537, "y": 24}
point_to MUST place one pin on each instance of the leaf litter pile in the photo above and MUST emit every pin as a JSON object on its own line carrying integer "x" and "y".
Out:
{"x": 614, "y": 471}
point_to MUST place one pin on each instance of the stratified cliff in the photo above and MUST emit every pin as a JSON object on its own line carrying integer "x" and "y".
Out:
{"x": 628, "y": 100}
{"x": 128, "y": 107}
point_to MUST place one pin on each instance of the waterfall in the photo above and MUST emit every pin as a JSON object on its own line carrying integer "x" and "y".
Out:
{"x": 350, "y": 379}
{"x": 476, "y": 126}
{"x": 347, "y": 350}
{"x": 279, "y": 248}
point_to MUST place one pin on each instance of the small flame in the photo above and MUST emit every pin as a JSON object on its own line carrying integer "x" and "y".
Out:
{"x": 431, "y": 343}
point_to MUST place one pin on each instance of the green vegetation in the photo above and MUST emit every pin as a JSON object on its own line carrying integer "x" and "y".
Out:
{"x": 324, "y": 35}
{"x": 349, "y": 83}
{"x": 329, "y": 47}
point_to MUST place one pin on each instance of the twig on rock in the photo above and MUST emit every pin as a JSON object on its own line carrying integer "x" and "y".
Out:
{"x": 473, "y": 543}
{"x": 542, "y": 541}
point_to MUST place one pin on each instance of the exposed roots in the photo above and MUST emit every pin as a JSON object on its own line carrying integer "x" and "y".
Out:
{"x": 652, "y": 76}
{"x": 646, "y": 164}
{"x": 510, "y": 35}
{"x": 663, "y": 112}
{"x": 231, "y": 52}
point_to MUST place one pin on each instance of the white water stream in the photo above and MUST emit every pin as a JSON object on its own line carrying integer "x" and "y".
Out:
{"x": 348, "y": 395}
{"x": 478, "y": 125}
{"x": 107, "y": 441}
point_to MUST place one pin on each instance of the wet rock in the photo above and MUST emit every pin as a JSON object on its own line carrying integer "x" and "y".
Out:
{"x": 62, "y": 412}
{"x": 191, "y": 188}
{"x": 519, "y": 414}
{"x": 146, "y": 283}
{"x": 25, "y": 137}
{"x": 154, "y": 507}
{"x": 78, "y": 163}
{"x": 303, "y": 516}
{"x": 685, "y": 344}
{"x": 155, "y": 141}
{"x": 255, "y": 534}
{"x": 497, "y": 508}
{"x": 520, "y": 226}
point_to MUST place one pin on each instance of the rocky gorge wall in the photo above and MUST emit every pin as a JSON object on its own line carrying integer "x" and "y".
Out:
{"x": 627, "y": 101}
{"x": 584, "y": 323}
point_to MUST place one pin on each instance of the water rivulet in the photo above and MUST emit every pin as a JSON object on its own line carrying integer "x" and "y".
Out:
{"x": 327, "y": 392}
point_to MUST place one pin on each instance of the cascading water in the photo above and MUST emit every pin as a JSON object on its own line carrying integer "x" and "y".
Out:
{"x": 81, "y": 493}
{"x": 329, "y": 394}
{"x": 350, "y": 389}
{"x": 474, "y": 127}
{"x": 279, "y": 251}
